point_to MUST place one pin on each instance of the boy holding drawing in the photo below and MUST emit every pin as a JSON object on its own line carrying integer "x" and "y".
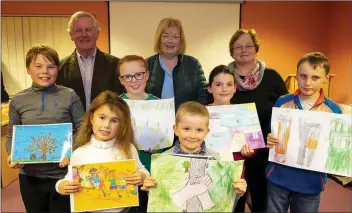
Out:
{"x": 43, "y": 103}
{"x": 192, "y": 121}
{"x": 287, "y": 186}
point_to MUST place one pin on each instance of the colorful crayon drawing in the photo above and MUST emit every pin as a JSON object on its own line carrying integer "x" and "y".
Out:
{"x": 309, "y": 134}
{"x": 284, "y": 129}
{"x": 188, "y": 184}
{"x": 340, "y": 147}
{"x": 316, "y": 141}
{"x": 152, "y": 121}
{"x": 232, "y": 126}
{"x": 46, "y": 143}
{"x": 104, "y": 186}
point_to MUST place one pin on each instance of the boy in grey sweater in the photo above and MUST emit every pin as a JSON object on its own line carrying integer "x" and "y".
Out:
{"x": 43, "y": 103}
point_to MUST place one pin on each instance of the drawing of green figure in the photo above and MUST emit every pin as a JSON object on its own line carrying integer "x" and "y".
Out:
{"x": 112, "y": 180}
{"x": 340, "y": 149}
{"x": 86, "y": 181}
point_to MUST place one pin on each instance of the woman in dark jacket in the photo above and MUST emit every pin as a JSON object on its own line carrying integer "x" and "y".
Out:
{"x": 172, "y": 73}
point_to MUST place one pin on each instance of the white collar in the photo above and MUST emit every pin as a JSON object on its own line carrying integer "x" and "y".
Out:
{"x": 80, "y": 56}
{"x": 102, "y": 144}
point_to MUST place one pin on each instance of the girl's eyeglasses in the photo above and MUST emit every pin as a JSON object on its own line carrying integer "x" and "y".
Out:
{"x": 137, "y": 76}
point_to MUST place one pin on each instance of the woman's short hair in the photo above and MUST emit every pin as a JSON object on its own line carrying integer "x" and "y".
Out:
{"x": 163, "y": 25}
{"x": 240, "y": 32}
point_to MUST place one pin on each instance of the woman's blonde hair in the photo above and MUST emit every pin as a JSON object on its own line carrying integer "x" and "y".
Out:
{"x": 124, "y": 137}
{"x": 163, "y": 25}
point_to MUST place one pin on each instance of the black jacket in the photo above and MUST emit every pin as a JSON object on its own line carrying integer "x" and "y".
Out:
{"x": 4, "y": 94}
{"x": 105, "y": 75}
{"x": 188, "y": 78}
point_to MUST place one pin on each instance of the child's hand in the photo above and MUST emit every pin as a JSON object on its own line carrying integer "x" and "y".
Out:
{"x": 136, "y": 178}
{"x": 246, "y": 151}
{"x": 271, "y": 141}
{"x": 66, "y": 187}
{"x": 241, "y": 186}
{"x": 64, "y": 162}
{"x": 153, "y": 151}
{"x": 13, "y": 165}
{"x": 148, "y": 183}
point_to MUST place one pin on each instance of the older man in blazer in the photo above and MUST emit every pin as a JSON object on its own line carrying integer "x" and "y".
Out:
{"x": 88, "y": 70}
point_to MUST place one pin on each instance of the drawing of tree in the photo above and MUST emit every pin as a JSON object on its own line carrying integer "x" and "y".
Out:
{"x": 186, "y": 165}
{"x": 201, "y": 182}
{"x": 43, "y": 144}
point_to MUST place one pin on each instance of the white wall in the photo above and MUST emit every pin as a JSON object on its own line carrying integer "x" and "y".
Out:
{"x": 208, "y": 28}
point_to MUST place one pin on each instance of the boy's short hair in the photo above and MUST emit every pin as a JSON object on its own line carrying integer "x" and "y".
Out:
{"x": 130, "y": 58}
{"x": 316, "y": 59}
{"x": 192, "y": 108}
{"x": 42, "y": 49}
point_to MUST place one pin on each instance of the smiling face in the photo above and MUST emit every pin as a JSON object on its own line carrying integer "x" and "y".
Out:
{"x": 244, "y": 51}
{"x": 42, "y": 71}
{"x": 105, "y": 123}
{"x": 191, "y": 131}
{"x": 223, "y": 87}
{"x": 84, "y": 35}
{"x": 310, "y": 80}
{"x": 170, "y": 41}
{"x": 134, "y": 77}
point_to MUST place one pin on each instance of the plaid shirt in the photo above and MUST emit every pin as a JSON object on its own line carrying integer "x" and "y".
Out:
{"x": 178, "y": 150}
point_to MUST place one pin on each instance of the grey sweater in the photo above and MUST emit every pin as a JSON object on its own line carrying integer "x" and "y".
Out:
{"x": 37, "y": 105}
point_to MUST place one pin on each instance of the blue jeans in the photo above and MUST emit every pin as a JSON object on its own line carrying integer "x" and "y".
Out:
{"x": 279, "y": 199}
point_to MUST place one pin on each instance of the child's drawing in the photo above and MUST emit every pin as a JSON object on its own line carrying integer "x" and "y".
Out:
{"x": 284, "y": 129}
{"x": 316, "y": 141}
{"x": 187, "y": 184}
{"x": 104, "y": 186}
{"x": 340, "y": 147}
{"x": 47, "y": 143}
{"x": 309, "y": 138}
{"x": 152, "y": 121}
{"x": 232, "y": 126}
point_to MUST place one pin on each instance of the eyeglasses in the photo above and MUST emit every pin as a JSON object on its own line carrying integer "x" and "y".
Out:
{"x": 137, "y": 76}
{"x": 247, "y": 46}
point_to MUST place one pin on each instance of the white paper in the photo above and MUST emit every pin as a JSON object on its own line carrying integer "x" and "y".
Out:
{"x": 317, "y": 141}
{"x": 152, "y": 122}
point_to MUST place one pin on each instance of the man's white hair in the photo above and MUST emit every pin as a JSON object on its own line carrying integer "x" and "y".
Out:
{"x": 80, "y": 14}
